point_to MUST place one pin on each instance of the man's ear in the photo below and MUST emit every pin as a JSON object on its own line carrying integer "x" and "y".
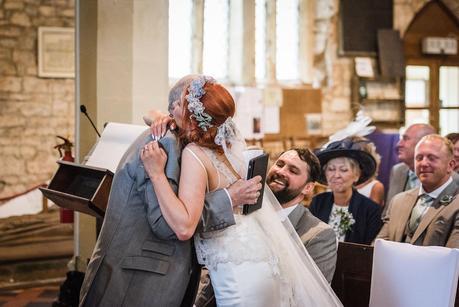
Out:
{"x": 308, "y": 188}
{"x": 451, "y": 166}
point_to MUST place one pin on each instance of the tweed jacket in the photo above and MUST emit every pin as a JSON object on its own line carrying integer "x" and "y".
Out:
{"x": 137, "y": 260}
{"x": 318, "y": 238}
{"x": 366, "y": 213}
{"x": 439, "y": 226}
{"x": 398, "y": 179}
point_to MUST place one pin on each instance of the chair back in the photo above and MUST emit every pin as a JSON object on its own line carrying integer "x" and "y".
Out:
{"x": 407, "y": 275}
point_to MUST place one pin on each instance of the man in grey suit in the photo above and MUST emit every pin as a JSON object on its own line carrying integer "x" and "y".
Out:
{"x": 402, "y": 175}
{"x": 291, "y": 178}
{"x": 137, "y": 260}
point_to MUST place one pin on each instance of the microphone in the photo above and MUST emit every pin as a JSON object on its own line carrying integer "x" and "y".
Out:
{"x": 84, "y": 111}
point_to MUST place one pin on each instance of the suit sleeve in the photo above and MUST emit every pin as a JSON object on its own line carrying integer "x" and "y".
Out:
{"x": 453, "y": 240}
{"x": 384, "y": 232}
{"x": 218, "y": 211}
{"x": 155, "y": 218}
{"x": 147, "y": 193}
{"x": 374, "y": 223}
{"x": 323, "y": 250}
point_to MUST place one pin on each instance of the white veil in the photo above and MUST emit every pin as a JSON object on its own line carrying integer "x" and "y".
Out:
{"x": 302, "y": 282}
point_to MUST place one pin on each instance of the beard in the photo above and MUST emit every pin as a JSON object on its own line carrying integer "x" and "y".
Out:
{"x": 285, "y": 194}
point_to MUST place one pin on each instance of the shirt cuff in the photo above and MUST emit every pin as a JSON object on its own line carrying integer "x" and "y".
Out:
{"x": 229, "y": 196}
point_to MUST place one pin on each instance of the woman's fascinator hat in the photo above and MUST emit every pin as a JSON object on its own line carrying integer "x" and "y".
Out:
{"x": 350, "y": 149}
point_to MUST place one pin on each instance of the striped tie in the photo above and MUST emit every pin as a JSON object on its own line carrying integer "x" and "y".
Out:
{"x": 423, "y": 203}
{"x": 412, "y": 181}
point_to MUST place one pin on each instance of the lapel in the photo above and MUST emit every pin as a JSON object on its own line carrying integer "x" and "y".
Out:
{"x": 433, "y": 211}
{"x": 406, "y": 206}
{"x": 326, "y": 207}
{"x": 402, "y": 177}
{"x": 405, "y": 177}
{"x": 295, "y": 215}
{"x": 354, "y": 204}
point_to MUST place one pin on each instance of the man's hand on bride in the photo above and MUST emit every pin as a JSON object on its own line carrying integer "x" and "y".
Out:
{"x": 244, "y": 192}
{"x": 154, "y": 159}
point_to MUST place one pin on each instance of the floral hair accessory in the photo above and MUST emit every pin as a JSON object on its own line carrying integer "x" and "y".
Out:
{"x": 195, "y": 106}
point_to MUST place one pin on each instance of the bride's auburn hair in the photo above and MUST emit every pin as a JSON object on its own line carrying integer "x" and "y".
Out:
{"x": 219, "y": 104}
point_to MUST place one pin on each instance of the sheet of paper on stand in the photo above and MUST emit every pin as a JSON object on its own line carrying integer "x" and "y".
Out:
{"x": 113, "y": 143}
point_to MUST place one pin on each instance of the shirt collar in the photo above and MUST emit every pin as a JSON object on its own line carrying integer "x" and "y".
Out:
{"x": 434, "y": 194}
{"x": 285, "y": 212}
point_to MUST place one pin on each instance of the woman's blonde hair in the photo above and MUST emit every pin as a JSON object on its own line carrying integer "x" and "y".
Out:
{"x": 369, "y": 147}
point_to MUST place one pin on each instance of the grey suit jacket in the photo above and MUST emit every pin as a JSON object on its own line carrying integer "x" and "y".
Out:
{"x": 439, "y": 225}
{"x": 397, "y": 182}
{"x": 318, "y": 238}
{"x": 137, "y": 260}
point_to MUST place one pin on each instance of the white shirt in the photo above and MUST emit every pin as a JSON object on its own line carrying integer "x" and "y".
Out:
{"x": 284, "y": 213}
{"x": 434, "y": 194}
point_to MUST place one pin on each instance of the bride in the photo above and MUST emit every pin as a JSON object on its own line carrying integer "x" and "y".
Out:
{"x": 259, "y": 261}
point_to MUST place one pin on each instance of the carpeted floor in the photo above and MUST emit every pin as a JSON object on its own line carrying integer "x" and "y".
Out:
{"x": 31, "y": 297}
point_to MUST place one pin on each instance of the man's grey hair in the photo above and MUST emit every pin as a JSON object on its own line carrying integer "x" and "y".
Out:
{"x": 176, "y": 91}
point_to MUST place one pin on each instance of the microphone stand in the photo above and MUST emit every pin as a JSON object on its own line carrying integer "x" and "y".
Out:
{"x": 84, "y": 111}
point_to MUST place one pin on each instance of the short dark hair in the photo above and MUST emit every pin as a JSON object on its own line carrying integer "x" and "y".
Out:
{"x": 311, "y": 160}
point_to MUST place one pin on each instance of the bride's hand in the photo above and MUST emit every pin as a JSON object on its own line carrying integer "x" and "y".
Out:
{"x": 160, "y": 125}
{"x": 154, "y": 159}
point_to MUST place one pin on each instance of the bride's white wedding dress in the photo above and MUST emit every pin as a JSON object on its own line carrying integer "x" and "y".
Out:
{"x": 260, "y": 261}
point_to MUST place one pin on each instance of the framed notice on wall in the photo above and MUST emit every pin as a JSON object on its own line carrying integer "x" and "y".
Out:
{"x": 56, "y": 52}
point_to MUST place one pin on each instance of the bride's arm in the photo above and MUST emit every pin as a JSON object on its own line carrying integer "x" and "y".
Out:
{"x": 182, "y": 213}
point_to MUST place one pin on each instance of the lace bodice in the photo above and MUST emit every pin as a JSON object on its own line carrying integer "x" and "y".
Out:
{"x": 244, "y": 241}
{"x": 220, "y": 166}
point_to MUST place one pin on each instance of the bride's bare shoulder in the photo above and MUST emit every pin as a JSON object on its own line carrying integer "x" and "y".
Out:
{"x": 196, "y": 151}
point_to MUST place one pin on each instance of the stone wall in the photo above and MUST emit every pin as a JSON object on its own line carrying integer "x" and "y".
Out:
{"x": 33, "y": 110}
{"x": 333, "y": 73}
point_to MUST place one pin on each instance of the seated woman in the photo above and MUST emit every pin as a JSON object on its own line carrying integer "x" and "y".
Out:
{"x": 371, "y": 188}
{"x": 354, "y": 217}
